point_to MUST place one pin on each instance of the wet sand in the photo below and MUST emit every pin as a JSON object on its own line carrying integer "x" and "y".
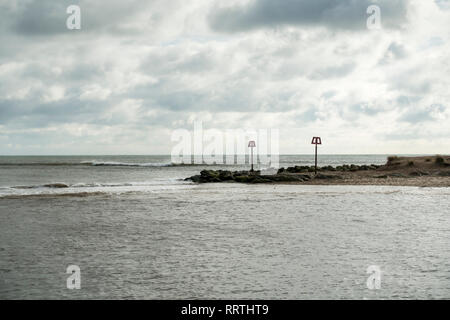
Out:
{"x": 355, "y": 179}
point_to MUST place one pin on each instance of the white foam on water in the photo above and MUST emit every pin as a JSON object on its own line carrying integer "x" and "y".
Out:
{"x": 58, "y": 189}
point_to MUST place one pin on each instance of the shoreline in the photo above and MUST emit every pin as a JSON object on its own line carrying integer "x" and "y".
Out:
{"x": 425, "y": 171}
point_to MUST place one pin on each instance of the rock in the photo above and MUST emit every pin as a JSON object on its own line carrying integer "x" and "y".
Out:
{"x": 225, "y": 176}
{"x": 209, "y": 173}
{"x": 243, "y": 179}
{"x": 196, "y": 178}
{"x": 397, "y": 175}
{"x": 211, "y": 176}
{"x": 418, "y": 173}
{"x": 297, "y": 169}
{"x": 393, "y": 175}
{"x": 261, "y": 180}
{"x": 444, "y": 174}
{"x": 284, "y": 177}
{"x": 247, "y": 176}
{"x": 326, "y": 177}
{"x": 56, "y": 185}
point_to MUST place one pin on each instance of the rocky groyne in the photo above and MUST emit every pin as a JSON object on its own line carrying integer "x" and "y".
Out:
{"x": 413, "y": 171}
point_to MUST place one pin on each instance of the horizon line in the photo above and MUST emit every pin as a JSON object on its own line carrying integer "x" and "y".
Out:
{"x": 169, "y": 155}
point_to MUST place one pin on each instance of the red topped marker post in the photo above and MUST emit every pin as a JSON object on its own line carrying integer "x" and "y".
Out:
{"x": 316, "y": 141}
{"x": 251, "y": 144}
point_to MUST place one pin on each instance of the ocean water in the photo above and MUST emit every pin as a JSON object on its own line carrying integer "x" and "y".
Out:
{"x": 138, "y": 231}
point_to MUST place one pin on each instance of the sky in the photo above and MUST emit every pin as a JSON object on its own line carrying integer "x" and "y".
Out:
{"x": 138, "y": 70}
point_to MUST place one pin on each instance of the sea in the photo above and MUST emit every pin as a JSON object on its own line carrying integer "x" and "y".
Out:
{"x": 134, "y": 229}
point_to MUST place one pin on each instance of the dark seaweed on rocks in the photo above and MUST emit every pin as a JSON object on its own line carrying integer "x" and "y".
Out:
{"x": 245, "y": 177}
{"x": 343, "y": 168}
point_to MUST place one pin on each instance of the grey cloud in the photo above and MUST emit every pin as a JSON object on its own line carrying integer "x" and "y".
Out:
{"x": 410, "y": 85}
{"x": 418, "y": 116}
{"x": 333, "y": 72}
{"x": 10, "y": 110}
{"x": 364, "y": 108}
{"x": 405, "y": 102}
{"x": 75, "y": 73}
{"x": 395, "y": 51}
{"x": 328, "y": 94}
{"x": 48, "y": 17}
{"x": 31, "y": 114}
{"x": 428, "y": 114}
{"x": 333, "y": 14}
{"x": 42, "y": 17}
{"x": 199, "y": 62}
{"x": 168, "y": 61}
{"x": 310, "y": 115}
{"x": 443, "y": 4}
{"x": 402, "y": 136}
{"x": 226, "y": 95}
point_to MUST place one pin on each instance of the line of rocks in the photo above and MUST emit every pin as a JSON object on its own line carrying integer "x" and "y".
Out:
{"x": 206, "y": 176}
{"x": 296, "y": 174}
{"x": 343, "y": 168}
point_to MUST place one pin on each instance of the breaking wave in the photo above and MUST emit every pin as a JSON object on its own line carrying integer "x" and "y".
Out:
{"x": 53, "y": 195}
{"x": 105, "y": 164}
{"x": 125, "y": 164}
{"x": 84, "y": 189}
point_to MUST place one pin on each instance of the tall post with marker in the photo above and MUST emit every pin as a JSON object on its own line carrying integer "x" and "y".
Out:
{"x": 316, "y": 141}
{"x": 251, "y": 144}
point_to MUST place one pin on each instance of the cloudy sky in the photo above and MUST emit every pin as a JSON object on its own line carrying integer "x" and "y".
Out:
{"x": 137, "y": 70}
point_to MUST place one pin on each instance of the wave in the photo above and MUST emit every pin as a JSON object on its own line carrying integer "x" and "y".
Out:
{"x": 95, "y": 163}
{"x": 53, "y": 195}
{"x": 76, "y": 185}
{"x": 125, "y": 164}
{"x": 22, "y": 164}
{"x": 150, "y": 164}
{"x": 50, "y": 185}
{"x": 84, "y": 189}
{"x": 60, "y": 185}
{"x": 87, "y": 163}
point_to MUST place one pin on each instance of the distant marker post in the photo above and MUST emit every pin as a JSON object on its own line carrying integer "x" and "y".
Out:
{"x": 316, "y": 141}
{"x": 251, "y": 144}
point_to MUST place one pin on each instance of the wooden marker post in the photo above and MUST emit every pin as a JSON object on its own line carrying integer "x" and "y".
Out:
{"x": 316, "y": 141}
{"x": 251, "y": 144}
